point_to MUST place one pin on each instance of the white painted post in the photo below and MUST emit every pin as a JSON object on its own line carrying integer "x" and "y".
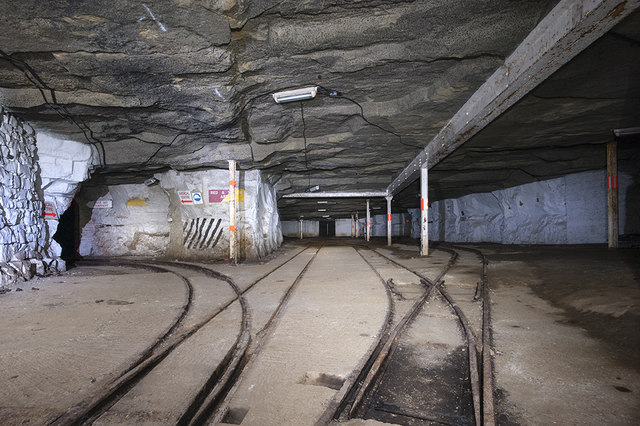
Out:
{"x": 300, "y": 228}
{"x": 368, "y": 222}
{"x": 389, "y": 220}
{"x": 612, "y": 193}
{"x": 357, "y": 226}
{"x": 424, "y": 207}
{"x": 353, "y": 225}
{"x": 233, "y": 231}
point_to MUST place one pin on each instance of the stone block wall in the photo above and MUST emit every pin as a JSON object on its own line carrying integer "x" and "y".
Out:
{"x": 24, "y": 238}
{"x": 184, "y": 216}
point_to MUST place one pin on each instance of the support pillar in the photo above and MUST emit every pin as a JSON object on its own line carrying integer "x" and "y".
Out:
{"x": 389, "y": 220}
{"x": 612, "y": 193}
{"x": 233, "y": 231}
{"x": 300, "y": 226}
{"x": 357, "y": 226}
{"x": 424, "y": 207}
{"x": 368, "y": 222}
{"x": 353, "y": 225}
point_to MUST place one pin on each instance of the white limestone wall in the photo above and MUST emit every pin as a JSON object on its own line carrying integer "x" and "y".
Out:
{"x": 24, "y": 239}
{"x": 567, "y": 210}
{"x": 64, "y": 164}
{"x": 140, "y": 220}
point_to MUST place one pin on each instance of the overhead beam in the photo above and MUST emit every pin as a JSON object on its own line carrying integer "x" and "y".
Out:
{"x": 369, "y": 194}
{"x": 567, "y": 30}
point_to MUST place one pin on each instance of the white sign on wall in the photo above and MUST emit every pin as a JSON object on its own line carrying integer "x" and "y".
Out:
{"x": 103, "y": 204}
{"x": 185, "y": 197}
{"x": 197, "y": 198}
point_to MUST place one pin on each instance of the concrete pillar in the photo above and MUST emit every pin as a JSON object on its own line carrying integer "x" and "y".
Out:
{"x": 357, "y": 227}
{"x": 424, "y": 207}
{"x": 300, "y": 226}
{"x": 368, "y": 222}
{"x": 233, "y": 231}
{"x": 612, "y": 193}
{"x": 389, "y": 220}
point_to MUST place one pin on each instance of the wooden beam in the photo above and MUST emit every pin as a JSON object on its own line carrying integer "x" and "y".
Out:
{"x": 233, "y": 231}
{"x": 389, "y": 221}
{"x": 424, "y": 208}
{"x": 567, "y": 30}
{"x": 612, "y": 193}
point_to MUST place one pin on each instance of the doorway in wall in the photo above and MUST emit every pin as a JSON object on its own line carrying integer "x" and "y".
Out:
{"x": 327, "y": 228}
{"x": 68, "y": 233}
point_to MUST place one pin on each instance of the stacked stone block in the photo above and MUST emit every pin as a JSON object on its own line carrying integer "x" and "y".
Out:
{"x": 23, "y": 234}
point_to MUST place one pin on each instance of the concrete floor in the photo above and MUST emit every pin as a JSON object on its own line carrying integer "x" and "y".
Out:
{"x": 565, "y": 329}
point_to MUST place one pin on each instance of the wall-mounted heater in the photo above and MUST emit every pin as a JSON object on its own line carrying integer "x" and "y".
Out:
{"x": 296, "y": 95}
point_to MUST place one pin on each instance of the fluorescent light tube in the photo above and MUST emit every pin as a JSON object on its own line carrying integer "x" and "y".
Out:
{"x": 295, "y": 95}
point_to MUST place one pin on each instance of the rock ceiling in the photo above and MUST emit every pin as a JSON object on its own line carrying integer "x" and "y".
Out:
{"x": 186, "y": 84}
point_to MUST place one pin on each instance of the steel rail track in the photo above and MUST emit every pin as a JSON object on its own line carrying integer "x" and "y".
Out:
{"x": 88, "y": 410}
{"x": 352, "y": 403}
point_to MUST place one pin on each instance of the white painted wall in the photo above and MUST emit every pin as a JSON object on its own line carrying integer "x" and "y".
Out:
{"x": 291, "y": 228}
{"x": 567, "y": 210}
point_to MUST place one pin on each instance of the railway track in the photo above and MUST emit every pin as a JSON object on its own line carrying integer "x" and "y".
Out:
{"x": 431, "y": 366}
{"x": 194, "y": 319}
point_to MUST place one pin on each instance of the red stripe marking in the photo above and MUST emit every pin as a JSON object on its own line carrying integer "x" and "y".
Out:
{"x": 422, "y": 204}
{"x": 50, "y": 214}
{"x": 186, "y": 201}
{"x": 389, "y": 217}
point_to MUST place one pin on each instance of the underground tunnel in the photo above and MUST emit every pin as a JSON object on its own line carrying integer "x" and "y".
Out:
{"x": 276, "y": 212}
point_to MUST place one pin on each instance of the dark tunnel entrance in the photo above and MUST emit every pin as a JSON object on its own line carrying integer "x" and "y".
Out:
{"x": 68, "y": 233}
{"x": 327, "y": 228}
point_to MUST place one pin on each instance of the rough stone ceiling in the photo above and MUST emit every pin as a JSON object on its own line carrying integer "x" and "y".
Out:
{"x": 187, "y": 84}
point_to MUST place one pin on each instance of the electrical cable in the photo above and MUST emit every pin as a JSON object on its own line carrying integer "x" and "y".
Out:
{"x": 61, "y": 110}
{"x": 336, "y": 94}
{"x": 304, "y": 136}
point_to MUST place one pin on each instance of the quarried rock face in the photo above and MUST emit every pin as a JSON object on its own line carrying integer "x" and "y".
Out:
{"x": 25, "y": 248}
{"x": 183, "y": 215}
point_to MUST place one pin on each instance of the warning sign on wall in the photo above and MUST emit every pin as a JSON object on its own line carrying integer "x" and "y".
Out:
{"x": 222, "y": 195}
{"x": 103, "y": 204}
{"x": 50, "y": 211}
{"x": 239, "y": 196}
{"x": 217, "y": 195}
{"x": 185, "y": 197}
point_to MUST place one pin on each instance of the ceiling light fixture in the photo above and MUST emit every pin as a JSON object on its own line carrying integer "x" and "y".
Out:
{"x": 295, "y": 95}
{"x": 322, "y": 210}
{"x": 322, "y": 202}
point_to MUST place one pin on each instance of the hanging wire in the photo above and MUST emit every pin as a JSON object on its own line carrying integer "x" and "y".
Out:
{"x": 304, "y": 136}
{"x": 42, "y": 87}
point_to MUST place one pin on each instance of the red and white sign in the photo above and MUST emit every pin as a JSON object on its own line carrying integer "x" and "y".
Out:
{"x": 217, "y": 195}
{"x": 103, "y": 204}
{"x": 185, "y": 197}
{"x": 50, "y": 211}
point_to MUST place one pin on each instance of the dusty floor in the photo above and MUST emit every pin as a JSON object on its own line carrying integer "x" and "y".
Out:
{"x": 566, "y": 331}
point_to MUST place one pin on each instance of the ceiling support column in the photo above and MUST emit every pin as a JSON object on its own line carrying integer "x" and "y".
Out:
{"x": 353, "y": 224}
{"x": 612, "y": 193}
{"x": 357, "y": 226}
{"x": 424, "y": 208}
{"x": 389, "y": 220}
{"x": 368, "y": 221}
{"x": 233, "y": 231}
{"x": 300, "y": 226}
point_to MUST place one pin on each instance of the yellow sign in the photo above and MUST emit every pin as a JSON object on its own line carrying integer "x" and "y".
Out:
{"x": 239, "y": 196}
